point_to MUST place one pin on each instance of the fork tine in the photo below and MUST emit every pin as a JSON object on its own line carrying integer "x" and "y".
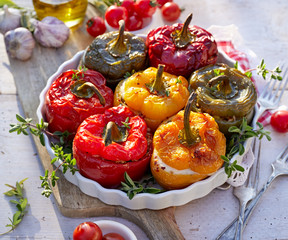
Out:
{"x": 283, "y": 155}
{"x": 284, "y": 86}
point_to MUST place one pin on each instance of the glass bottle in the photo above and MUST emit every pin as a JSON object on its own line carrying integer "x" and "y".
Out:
{"x": 71, "y": 12}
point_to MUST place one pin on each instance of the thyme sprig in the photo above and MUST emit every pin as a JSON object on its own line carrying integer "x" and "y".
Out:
{"x": 62, "y": 150}
{"x": 21, "y": 203}
{"x": 132, "y": 188}
{"x": 79, "y": 73}
{"x": 263, "y": 71}
{"x": 236, "y": 143}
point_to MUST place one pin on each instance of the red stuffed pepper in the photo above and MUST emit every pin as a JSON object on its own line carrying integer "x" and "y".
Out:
{"x": 74, "y": 96}
{"x": 108, "y": 145}
{"x": 181, "y": 48}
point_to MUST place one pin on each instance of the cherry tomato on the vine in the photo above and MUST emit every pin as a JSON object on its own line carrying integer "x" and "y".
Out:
{"x": 114, "y": 14}
{"x": 145, "y": 8}
{"x": 170, "y": 11}
{"x": 134, "y": 22}
{"x": 113, "y": 236}
{"x": 279, "y": 121}
{"x": 129, "y": 5}
{"x": 95, "y": 26}
{"x": 87, "y": 231}
{"x": 162, "y": 2}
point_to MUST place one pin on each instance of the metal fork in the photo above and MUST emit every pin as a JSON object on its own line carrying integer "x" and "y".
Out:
{"x": 247, "y": 191}
{"x": 280, "y": 167}
{"x": 269, "y": 99}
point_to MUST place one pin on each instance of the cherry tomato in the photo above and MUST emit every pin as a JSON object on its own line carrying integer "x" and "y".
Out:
{"x": 145, "y": 8}
{"x": 87, "y": 231}
{"x": 114, "y": 14}
{"x": 162, "y": 2}
{"x": 279, "y": 121}
{"x": 112, "y": 236}
{"x": 170, "y": 11}
{"x": 134, "y": 23}
{"x": 129, "y": 5}
{"x": 95, "y": 26}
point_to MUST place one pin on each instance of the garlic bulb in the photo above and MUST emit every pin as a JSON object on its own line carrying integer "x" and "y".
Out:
{"x": 9, "y": 19}
{"x": 51, "y": 32}
{"x": 19, "y": 43}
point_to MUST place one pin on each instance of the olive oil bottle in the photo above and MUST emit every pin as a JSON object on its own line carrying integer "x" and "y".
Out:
{"x": 71, "y": 12}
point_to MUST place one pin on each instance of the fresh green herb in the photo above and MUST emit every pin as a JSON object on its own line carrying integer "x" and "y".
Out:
{"x": 9, "y": 3}
{"x": 67, "y": 162}
{"x": 236, "y": 143}
{"x": 38, "y": 130}
{"x": 128, "y": 74}
{"x": 21, "y": 204}
{"x": 126, "y": 124}
{"x": 263, "y": 71}
{"x": 178, "y": 81}
{"x": 217, "y": 72}
{"x": 167, "y": 93}
{"x": 62, "y": 150}
{"x": 236, "y": 65}
{"x": 132, "y": 188}
{"x": 79, "y": 73}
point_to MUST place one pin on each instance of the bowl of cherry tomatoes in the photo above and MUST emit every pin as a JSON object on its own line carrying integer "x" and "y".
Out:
{"x": 103, "y": 230}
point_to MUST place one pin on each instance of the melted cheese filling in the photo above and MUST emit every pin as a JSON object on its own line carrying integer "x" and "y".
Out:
{"x": 158, "y": 160}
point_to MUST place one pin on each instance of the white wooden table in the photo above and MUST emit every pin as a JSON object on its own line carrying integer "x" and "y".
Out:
{"x": 263, "y": 26}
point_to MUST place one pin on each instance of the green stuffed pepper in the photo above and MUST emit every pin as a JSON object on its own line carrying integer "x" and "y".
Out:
{"x": 116, "y": 53}
{"x": 225, "y": 93}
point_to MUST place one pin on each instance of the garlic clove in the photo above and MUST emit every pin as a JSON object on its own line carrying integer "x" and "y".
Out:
{"x": 51, "y": 32}
{"x": 19, "y": 43}
{"x": 10, "y": 19}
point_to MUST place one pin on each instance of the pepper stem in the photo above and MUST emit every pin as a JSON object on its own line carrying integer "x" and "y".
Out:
{"x": 117, "y": 46}
{"x": 183, "y": 37}
{"x": 223, "y": 88}
{"x": 189, "y": 136}
{"x": 113, "y": 133}
{"x": 83, "y": 89}
{"x": 157, "y": 86}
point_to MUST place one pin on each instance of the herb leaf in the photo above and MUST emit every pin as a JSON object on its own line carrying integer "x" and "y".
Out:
{"x": 236, "y": 143}
{"x": 132, "y": 188}
{"x": 263, "y": 71}
{"x": 21, "y": 204}
{"x": 62, "y": 150}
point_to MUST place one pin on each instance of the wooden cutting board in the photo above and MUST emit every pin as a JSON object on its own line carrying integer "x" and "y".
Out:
{"x": 30, "y": 78}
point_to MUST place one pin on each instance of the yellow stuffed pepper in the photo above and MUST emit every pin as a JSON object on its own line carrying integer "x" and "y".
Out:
{"x": 154, "y": 94}
{"x": 187, "y": 148}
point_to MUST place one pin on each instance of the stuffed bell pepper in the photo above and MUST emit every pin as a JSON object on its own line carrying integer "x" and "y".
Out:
{"x": 108, "y": 145}
{"x": 74, "y": 96}
{"x": 181, "y": 48}
{"x": 116, "y": 53}
{"x": 187, "y": 148}
{"x": 153, "y": 93}
{"x": 225, "y": 93}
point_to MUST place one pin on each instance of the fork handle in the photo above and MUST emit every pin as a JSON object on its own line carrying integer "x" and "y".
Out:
{"x": 240, "y": 221}
{"x": 259, "y": 113}
{"x": 229, "y": 232}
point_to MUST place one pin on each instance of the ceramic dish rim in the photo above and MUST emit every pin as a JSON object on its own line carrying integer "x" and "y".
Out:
{"x": 144, "y": 200}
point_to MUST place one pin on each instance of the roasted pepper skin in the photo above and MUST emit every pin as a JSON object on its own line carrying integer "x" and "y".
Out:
{"x": 115, "y": 60}
{"x": 201, "y": 51}
{"x": 183, "y": 165}
{"x": 107, "y": 164}
{"x": 228, "y": 95}
{"x": 133, "y": 92}
{"x": 64, "y": 111}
